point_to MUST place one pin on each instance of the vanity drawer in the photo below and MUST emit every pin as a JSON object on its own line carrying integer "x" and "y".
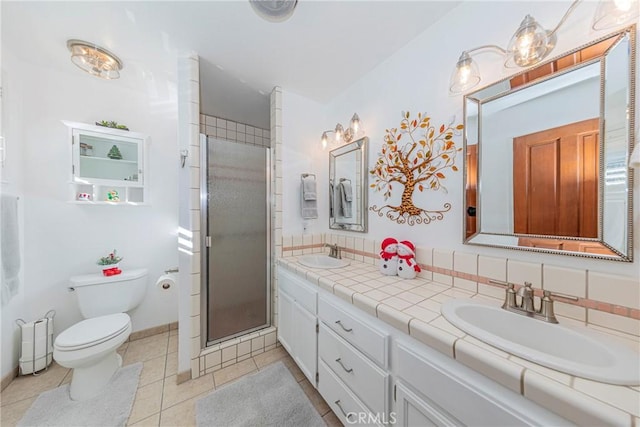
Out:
{"x": 370, "y": 341}
{"x": 341, "y": 400}
{"x": 368, "y": 382}
{"x": 303, "y": 293}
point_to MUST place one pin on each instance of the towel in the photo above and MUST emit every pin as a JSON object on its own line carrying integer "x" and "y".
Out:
{"x": 348, "y": 193}
{"x": 309, "y": 188}
{"x": 345, "y": 203}
{"x": 309, "y": 207}
{"x": 331, "y": 196}
{"x": 9, "y": 247}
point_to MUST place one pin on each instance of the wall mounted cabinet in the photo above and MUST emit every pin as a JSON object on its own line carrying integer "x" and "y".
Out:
{"x": 108, "y": 166}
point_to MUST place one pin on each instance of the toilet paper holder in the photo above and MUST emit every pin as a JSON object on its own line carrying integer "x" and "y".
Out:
{"x": 172, "y": 270}
{"x": 48, "y": 319}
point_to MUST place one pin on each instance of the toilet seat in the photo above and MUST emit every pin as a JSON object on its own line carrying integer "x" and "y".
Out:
{"x": 91, "y": 332}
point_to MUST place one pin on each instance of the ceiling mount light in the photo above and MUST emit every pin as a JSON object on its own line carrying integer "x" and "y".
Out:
{"x": 613, "y": 13}
{"x": 274, "y": 10}
{"x": 342, "y": 134}
{"x": 531, "y": 43}
{"x": 94, "y": 59}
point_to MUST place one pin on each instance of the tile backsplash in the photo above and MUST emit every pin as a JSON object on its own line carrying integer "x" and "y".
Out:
{"x": 605, "y": 300}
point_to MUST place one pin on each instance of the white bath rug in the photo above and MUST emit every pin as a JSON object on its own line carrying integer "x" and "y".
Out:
{"x": 110, "y": 408}
{"x": 271, "y": 397}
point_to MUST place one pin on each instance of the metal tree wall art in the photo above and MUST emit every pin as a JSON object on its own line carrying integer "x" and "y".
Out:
{"x": 416, "y": 156}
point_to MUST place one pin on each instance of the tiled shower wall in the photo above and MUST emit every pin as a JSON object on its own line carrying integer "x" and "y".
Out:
{"x": 604, "y": 300}
{"x": 227, "y": 353}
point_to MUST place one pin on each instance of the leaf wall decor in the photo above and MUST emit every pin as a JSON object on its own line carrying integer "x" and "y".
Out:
{"x": 420, "y": 163}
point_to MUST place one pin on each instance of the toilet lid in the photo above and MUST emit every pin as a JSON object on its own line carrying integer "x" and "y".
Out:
{"x": 92, "y": 331}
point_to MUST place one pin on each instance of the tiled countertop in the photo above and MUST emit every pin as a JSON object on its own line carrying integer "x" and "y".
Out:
{"x": 413, "y": 307}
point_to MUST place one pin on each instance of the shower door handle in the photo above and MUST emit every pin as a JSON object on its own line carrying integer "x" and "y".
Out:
{"x": 207, "y": 241}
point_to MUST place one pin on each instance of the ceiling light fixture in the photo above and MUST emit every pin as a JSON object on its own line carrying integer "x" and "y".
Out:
{"x": 342, "y": 135}
{"x": 94, "y": 59}
{"x": 531, "y": 43}
{"x": 274, "y": 10}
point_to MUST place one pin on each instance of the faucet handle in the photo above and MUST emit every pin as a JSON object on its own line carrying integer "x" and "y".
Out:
{"x": 546, "y": 307}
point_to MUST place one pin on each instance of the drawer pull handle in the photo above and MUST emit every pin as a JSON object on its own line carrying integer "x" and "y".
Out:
{"x": 348, "y": 371}
{"x": 342, "y": 326}
{"x": 347, "y": 415}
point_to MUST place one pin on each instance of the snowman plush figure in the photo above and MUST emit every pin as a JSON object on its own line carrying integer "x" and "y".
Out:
{"x": 388, "y": 257}
{"x": 408, "y": 268}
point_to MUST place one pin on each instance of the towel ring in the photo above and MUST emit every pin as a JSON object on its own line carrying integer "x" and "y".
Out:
{"x": 306, "y": 175}
{"x": 345, "y": 179}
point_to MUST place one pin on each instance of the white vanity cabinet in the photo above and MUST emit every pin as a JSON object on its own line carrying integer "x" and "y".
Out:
{"x": 108, "y": 165}
{"x": 372, "y": 374}
{"x": 432, "y": 389}
{"x": 297, "y": 322}
{"x": 353, "y": 356}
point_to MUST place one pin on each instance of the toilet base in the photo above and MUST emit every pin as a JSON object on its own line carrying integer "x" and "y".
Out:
{"x": 88, "y": 382}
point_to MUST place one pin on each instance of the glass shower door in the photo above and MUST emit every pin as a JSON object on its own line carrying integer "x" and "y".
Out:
{"x": 238, "y": 226}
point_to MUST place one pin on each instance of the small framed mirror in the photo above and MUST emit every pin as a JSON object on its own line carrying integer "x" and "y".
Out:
{"x": 348, "y": 187}
{"x": 547, "y": 154}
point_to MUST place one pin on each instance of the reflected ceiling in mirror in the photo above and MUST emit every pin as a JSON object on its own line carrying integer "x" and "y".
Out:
{"x": 546, "y": 154}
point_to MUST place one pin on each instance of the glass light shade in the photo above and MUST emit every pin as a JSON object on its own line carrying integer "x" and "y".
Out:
{"x": 614, "y": 13}
{"x": 465, "y": 76}
{"x": 529, "y": 45}
{"x": 355, "y": 123}
{"x": 94, "y": 60}
{"x": 324, "y": 141}
{"x": 339, "y": 132}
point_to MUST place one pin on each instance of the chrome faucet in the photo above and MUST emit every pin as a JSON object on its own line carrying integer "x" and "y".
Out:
{"x": 527, "y": 305}
{"x": 334, "y": 250}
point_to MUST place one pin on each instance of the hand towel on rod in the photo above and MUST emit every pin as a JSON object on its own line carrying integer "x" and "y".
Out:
{"x": 309, "y": 206}
{"x": 10, "y": 247}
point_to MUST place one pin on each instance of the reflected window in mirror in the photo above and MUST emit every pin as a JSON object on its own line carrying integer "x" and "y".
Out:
{"x": 546, "y": 153}
{"x": 348, "y": 187}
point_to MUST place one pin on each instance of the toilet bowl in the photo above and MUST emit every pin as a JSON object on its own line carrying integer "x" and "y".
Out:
{"x": 90, "y": 346}
{"x": 90, "y": 349}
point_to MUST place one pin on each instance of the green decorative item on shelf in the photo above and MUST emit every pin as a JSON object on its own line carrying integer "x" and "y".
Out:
{"x": 112, "y": 196}
{"x": 114, "y": 153}
{"x": 112, "y": 124}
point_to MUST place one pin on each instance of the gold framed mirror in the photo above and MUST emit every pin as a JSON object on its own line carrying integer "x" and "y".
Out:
{"x": 546, "y": 154}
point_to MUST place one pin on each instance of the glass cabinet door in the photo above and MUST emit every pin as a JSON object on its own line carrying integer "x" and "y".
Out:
{"x": 101, "y": 157}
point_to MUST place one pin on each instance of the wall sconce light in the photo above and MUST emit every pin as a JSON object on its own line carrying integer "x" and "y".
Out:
{"x": 343, "y": 135}
{"x": 94, "y": 59}
{"x": 531, "y": 43}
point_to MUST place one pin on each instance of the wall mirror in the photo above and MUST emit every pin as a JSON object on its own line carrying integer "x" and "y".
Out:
{"x": 547, "y": 151}
{"x": 348, "y": 187}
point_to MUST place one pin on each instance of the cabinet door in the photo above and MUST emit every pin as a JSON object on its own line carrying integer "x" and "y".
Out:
{"x": 305, "y": 345}
{"x": 413, "y": 411}
{"x": 285, "y": 319}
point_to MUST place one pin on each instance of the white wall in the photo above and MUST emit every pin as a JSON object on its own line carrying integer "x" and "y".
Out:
{"x": 63, "y": 239}
{"x": 302, "y": 125}
{"x": 11, "y": 178}
{"x": 416, "y": 79}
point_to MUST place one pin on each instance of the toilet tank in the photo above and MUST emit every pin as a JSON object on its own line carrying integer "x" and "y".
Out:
{"x": 98, "y": 295}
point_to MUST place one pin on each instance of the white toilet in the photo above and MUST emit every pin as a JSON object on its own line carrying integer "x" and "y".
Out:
{"x": 89, "y": 347}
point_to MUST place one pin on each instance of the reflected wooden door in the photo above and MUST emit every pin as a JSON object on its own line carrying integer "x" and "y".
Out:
{"x": 555, "y": 181}
{"x": 471, "y": 188}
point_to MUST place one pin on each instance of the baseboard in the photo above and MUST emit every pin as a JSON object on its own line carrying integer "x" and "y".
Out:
{"x": 144, "y": 333}
{"x": 8, "y": 378}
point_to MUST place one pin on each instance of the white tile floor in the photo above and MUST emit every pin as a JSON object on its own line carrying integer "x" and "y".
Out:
{"x": 159, "y": 400}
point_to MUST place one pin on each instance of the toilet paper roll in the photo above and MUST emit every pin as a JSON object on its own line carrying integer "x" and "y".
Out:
{"x": 166, "y": 282}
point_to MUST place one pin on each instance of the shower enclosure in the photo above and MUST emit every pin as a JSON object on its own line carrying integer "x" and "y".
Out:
{"x": 235, "y": 228}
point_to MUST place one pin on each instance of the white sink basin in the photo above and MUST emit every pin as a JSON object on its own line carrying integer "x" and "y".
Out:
{"x": 322, "y": 261}
{"x": 576, "y": 351}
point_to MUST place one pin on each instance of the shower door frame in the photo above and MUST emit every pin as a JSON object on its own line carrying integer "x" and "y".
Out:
{"x": 205, "y": 245}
